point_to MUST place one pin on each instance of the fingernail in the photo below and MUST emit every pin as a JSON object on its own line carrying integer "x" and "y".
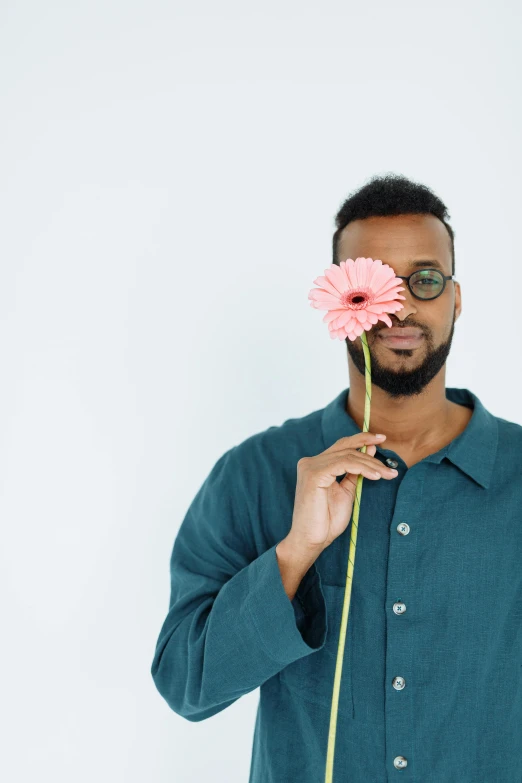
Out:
{"x": 378, "y": 435}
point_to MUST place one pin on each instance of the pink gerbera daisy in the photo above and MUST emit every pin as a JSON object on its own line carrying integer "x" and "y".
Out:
{"x": 356, "y": 294}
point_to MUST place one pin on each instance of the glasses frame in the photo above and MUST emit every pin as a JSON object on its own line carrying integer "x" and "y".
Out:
{"x": 426, "y": 298}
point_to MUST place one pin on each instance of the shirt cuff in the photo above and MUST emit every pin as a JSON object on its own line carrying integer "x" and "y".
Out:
{"x": 288, "y": 630}
{"x": 307, "y": 603}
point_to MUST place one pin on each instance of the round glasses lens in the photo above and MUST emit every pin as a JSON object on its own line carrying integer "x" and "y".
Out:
{"x": 427, "y": 283}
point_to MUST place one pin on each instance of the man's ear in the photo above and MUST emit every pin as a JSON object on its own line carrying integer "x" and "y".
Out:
{"x": 458, "y": 300}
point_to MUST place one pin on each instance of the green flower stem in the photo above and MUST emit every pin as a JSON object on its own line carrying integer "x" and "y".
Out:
{"x": 349, "y": 575}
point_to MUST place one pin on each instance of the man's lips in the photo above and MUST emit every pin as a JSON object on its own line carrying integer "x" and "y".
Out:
{"x": 401, "y": 337}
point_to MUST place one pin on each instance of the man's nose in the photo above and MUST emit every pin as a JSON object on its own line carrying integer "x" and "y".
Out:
{"x": 408, "y": 308}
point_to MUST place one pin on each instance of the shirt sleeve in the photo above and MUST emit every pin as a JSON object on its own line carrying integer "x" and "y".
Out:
{"x": 230, "y": 625}
{"x": 298, "y": 613}
{"x": 308, "y": 604}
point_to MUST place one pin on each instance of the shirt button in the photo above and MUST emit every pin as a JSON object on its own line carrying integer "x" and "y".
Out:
{"x": 392, "y": 463}
{"x": 399, "y": 762}
{"x": 399, "y": 607}
{"x": 399, "y": 683}
{"x": 403, "y": 528}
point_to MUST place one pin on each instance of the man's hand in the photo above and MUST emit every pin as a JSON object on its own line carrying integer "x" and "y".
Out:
{"x": 323, "y": 506}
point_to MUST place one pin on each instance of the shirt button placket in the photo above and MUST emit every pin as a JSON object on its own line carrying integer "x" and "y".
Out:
{"x": 399, "y": 648}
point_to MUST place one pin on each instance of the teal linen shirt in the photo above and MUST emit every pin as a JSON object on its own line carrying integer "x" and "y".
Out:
{"x": 431, "y": 687}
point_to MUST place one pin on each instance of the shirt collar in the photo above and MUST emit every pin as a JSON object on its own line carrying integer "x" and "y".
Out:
{"x": 473, "y": 451}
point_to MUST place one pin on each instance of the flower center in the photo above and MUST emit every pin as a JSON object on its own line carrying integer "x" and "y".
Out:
{"x": 356, "y": 298}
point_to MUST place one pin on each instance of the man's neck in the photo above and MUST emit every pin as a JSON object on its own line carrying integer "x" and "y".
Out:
{"x": 411, "y": 424}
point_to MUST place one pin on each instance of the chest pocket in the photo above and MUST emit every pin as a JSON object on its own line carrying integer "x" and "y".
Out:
{"x": 312, "y": 677}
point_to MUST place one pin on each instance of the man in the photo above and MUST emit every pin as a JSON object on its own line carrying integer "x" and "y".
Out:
{"x": 431, "y": 687}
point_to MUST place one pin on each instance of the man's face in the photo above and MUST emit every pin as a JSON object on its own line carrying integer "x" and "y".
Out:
{"x": 398, "y": 241}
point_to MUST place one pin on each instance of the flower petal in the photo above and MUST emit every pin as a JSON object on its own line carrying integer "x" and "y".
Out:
{"x": 354, "y": 273}
{"x": 337, "y": 278}
{"x": 391, "y": 307}
{"x": 321, "y": 305}
{"x": 375, "y": 271}
{"x": 368, "y": 271}
{"x": 360, "y": 268}
{"x": 331, "y": 315}
{"x": 343, "y": 318}
{"x": 321, "y": 296}
{"x": 342, "y": 267}
{"x": 377, "y": 307}
{"x": 389, "y": 285}
{"x": 386, "y": 297}
{"x": 324, "y": 283}
{"x": 380, "y": 276}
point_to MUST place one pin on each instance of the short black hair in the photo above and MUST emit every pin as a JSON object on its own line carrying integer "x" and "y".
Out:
{"x": 391, "y": 194}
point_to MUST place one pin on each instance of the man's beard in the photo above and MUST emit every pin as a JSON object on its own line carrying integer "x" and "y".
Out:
{"x": 404, "y": 383}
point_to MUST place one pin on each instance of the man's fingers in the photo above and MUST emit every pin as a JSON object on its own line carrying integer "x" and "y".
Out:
{"x": 328, "y": 462}
{"x": 355, "y": 441}
{"x": 323, "y": 469}
{"x": 355, "y": 457}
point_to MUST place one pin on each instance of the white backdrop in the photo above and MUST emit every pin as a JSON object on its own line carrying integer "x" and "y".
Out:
{"x": 170, "y": 174}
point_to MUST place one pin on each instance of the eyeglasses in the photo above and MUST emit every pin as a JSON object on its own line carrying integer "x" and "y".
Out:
{"x": 426, "y": 283}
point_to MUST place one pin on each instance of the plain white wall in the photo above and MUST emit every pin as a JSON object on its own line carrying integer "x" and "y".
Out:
{"x": 170, "y": 173}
